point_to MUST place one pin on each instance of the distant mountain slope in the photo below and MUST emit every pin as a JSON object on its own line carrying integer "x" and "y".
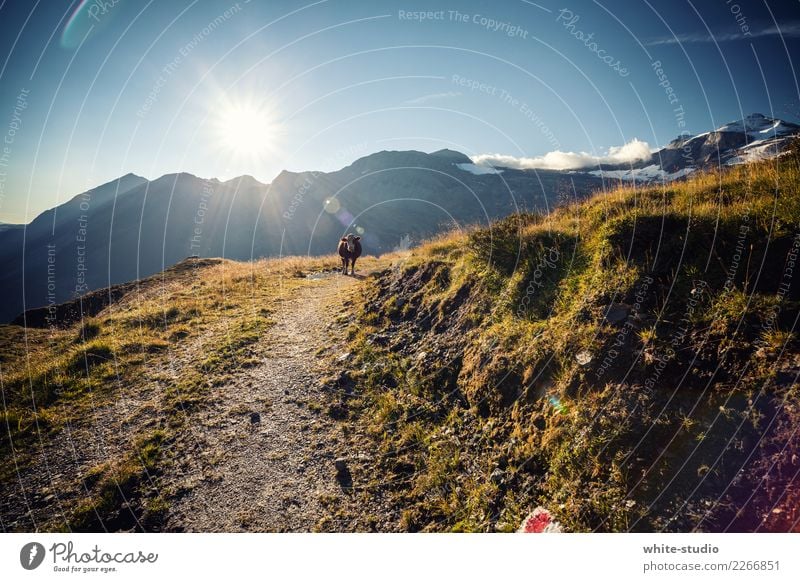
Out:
{"x": 131, "y": 227}
{"x": 4, "y": 227}
{"x": 118, "y": 232}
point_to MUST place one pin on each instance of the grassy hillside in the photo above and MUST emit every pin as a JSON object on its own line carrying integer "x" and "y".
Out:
{"x": 628, "y": 362}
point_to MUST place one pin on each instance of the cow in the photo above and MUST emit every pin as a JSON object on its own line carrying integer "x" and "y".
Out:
{"x": 349, "y": 250}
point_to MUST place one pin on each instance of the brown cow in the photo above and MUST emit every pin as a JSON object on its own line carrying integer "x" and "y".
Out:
{"x": 349, "y": 250}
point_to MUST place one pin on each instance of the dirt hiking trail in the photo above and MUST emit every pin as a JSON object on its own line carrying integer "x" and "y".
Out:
{"x": 261, "y": 456}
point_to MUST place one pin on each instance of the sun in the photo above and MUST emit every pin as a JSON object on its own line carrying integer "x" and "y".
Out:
{"x": 246, "y": 130}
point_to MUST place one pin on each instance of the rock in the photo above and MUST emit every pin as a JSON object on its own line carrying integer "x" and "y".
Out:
{"x": 343, "y": 475}
{"x": 583, "y": 357}
{"x": 255, "y": 418}
{"x": 379, "y": 339}
{"x": 343, "y": 357}
{"x": 497, "y": 476}
{"x": 616, "y": 313}
{"x": 404, "y": 468}
{"x": 343, "y": 381}
{"x": 337, "y": 411}
{"x": 540, "y": 521}
{"x": 787, "y": 377}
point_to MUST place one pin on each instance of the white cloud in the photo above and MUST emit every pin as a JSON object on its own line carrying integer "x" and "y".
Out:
{"x": 432, "y": 97}
{"x": 786, "y": 30}
{"x": 633, "y": 151}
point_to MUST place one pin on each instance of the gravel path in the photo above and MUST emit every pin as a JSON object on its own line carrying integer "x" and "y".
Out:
{"x": 261, "y": 456}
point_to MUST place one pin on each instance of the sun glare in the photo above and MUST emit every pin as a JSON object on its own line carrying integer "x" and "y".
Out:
{"x": 247, "y": 130}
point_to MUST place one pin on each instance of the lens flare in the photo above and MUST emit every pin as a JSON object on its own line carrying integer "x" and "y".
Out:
{"x": 89, "y": 17}
{"x": 557, "y": 405}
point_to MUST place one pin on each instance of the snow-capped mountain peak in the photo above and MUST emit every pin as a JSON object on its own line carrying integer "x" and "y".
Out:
{"x": 759, "y": 124}
{"x": 753, "y": 138}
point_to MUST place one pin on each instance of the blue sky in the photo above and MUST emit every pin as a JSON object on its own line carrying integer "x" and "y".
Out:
{"x": 93, "y": 90}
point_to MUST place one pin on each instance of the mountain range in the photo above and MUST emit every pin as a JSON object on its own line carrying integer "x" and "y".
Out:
{"x": 132, "y": 227}
{"x": 753, "y": 138}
